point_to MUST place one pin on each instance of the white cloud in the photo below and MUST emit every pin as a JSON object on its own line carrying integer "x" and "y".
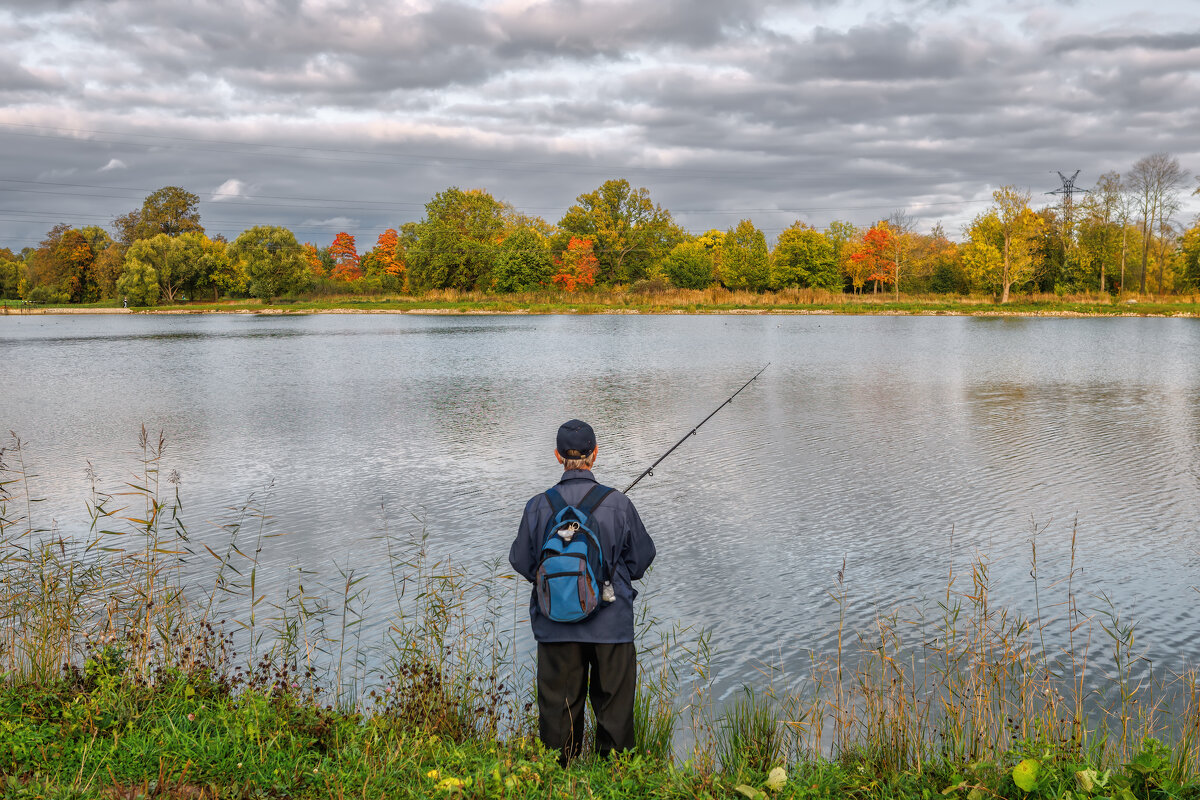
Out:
{"x": 113, "y": 163}
{"x": 229, "y": 190}
{"x": 341, "y": 223}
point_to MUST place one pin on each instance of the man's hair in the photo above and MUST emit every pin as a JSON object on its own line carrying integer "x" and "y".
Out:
{"x": 573, "y": 460}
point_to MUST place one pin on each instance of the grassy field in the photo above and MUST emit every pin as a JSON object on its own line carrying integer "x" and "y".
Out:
{"x": 716, "y": 301}
{"x": 144, "y": 659}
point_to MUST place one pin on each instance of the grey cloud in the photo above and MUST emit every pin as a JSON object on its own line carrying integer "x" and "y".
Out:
{"x": 15, "y": 77}
{"x": 1112, "y": 42}
{"x": 718, "y": 115}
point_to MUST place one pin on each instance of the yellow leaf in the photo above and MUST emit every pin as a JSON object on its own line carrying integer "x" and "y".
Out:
{"x": 450, "y": 785}
{"x": 433, "y": 773}
{"x": 777, "y": 779}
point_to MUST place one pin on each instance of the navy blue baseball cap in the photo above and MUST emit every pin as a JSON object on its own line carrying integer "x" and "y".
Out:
{"x": 575, "y": 435}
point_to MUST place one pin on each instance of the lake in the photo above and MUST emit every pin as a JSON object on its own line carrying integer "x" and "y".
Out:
{"x": 905, "y": 446}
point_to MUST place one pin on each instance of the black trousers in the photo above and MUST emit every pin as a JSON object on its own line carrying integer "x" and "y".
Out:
{"x": 568, "y": 673}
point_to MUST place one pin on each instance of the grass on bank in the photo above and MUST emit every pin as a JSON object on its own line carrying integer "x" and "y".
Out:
{"x": 144, "y": 659}
{"x": 670, "y": 300}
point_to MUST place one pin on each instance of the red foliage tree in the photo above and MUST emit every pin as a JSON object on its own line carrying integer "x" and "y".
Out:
{"x": 873, "y": 252}
{"x": 576, "y": 266}
{"x": 345, "y": 258}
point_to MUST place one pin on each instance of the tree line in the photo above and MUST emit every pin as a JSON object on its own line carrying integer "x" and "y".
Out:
{"x": 1123, "y": 235}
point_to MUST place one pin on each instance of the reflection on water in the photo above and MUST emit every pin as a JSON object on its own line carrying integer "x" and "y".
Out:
{"x": 906, "y": 446}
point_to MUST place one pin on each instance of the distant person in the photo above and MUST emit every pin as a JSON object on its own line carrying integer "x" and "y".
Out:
{"x": 125, "y": 302}
{"x": 594, "y": 657}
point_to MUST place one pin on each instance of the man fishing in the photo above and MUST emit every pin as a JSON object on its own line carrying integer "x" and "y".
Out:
{"x": 582, "y": 545}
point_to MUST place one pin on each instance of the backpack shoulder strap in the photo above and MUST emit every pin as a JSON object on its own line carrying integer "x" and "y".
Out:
{"x": 557, "y": 504}
{"x": 594, "y": 498}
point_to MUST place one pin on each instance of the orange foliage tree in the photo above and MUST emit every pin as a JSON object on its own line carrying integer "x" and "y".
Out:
{"x": 385, "y": 252}
{"x": 576, "y": 266}
{"x": 313, "y": 257}
{"x": 345, "y": 258}
{"x": 872, "y": 255}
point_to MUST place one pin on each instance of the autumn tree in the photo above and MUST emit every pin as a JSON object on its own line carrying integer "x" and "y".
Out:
{"x": 1189, "y": 257}
{"x": 936, "y": 257}
{"x": 689, "y": 265}
{"x": 805, "y": 257}
{"x": 523, "y": 262}
{"x": 1003, "y": 240}
{"x": 384, "y": 265}
{"x": 78, "y": 259}
{"x": 272, "y": 261}
{"x": 345, "y": 258}
{"x": 630, "y": 232}
{"x": 454, "y": 246}
{"x": 576, "y": 266}
{"x": 316, "y": 264}
{"x": 745, "y": 261}
{"x": 872, "y": 256}
{"x": 1018, "y": 225}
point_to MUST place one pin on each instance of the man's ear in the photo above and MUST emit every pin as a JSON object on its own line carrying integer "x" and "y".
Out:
{"x": 559, "y": 457}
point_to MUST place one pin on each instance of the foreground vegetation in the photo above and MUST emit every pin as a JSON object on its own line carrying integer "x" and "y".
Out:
{"x": 138, "y": 660}
{"x": 663, "y": 300}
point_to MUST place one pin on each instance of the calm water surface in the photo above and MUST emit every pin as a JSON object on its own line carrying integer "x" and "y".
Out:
{"x": 904, "y": 445}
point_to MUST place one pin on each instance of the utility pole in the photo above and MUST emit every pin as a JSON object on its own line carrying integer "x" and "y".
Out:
{"x": 1067, "y": 190}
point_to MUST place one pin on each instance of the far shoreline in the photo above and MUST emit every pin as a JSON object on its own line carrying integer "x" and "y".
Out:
{"x": 713, "y": 301}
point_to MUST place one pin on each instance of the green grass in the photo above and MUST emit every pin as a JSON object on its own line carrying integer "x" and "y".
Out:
{"x": 97, "y": 734}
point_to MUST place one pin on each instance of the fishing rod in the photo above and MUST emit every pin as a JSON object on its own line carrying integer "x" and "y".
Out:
{"x": 692, "y": 432}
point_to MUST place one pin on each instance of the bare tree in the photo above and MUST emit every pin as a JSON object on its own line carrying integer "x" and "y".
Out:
{"x": 1126, "y": 203}
{"x": 1156, "y": 181}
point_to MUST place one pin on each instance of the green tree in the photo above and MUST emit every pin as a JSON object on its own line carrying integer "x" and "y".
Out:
{"x": 200, "y": 263}
{"x": 12, "y": 273}
{"x": 630, "y": 232}
{"x": 805, "y": 257}
{"x": 454, "y": 246}
{"x": 745, "y": 261}
{"x": 272, "y": 261}
{"x": 149, "y": 254}
{"x": 523, "y": 262}
{"x": 138, "y": 284}
{"x": 169, "y": 210}
{"x": 689, "y": 265}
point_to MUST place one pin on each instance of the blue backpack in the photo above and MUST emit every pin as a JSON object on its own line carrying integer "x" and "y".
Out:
{"x": 571, "y": 568}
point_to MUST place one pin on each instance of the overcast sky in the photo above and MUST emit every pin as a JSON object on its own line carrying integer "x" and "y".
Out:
{"x": 328, "y": 115}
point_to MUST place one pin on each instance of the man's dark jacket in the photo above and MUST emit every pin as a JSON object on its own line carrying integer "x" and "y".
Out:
{"x": 627, "y": 549}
